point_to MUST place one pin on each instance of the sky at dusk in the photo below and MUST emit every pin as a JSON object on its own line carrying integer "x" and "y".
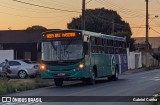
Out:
{"x": 17, "y": 16}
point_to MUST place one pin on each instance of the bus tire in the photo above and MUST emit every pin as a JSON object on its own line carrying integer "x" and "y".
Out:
{"x": 58, "y": 82}
{"x": 115, "y": 76}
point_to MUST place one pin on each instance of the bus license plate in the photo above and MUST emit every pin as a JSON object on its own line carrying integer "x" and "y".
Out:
{"x": 61, "y": 74}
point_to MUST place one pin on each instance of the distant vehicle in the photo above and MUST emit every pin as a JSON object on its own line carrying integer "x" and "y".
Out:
{"x": 84, "y": 55}
{"x": 21, "y": 68}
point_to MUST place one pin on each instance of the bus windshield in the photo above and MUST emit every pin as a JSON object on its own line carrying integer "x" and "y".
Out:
{"x": 62, "y": 50}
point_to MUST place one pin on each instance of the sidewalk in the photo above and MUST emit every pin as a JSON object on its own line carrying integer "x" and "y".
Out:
{"x": 130, "y": 71}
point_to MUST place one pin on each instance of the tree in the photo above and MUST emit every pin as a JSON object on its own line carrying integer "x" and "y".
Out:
{"x": 36, "y": 27}
{"x": 104, "y": 21}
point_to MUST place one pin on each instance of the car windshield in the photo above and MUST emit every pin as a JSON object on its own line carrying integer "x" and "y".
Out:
{"x": 64, "y": 50}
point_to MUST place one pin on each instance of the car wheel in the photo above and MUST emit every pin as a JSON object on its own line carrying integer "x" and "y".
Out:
{"x": 22, "y": 74}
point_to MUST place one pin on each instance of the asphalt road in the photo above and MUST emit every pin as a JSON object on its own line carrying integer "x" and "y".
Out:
{"x": 137, "y": 84}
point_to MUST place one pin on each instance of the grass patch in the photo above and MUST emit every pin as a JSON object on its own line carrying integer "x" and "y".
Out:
{"x": 15, "y": 85}
{"x": 156, "y": 103}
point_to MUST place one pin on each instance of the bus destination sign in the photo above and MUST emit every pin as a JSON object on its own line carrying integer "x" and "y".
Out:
{"x": 60, "y": 35}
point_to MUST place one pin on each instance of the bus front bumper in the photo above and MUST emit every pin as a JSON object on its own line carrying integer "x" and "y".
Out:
{"x": 73, "y": 74}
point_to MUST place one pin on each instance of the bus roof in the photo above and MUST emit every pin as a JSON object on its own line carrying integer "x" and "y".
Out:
{"x": 104, "y": 36}
{"x": 89, "y": 33}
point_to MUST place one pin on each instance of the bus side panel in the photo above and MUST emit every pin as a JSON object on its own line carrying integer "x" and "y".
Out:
{"x": 99, "y": 61}
{"x": 107, "y": 65}
{"x": 124, "y": 63}
{"x": 103, "y": 63}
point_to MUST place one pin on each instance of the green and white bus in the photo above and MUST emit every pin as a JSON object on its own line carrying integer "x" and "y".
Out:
{"x": 82, "y": 55}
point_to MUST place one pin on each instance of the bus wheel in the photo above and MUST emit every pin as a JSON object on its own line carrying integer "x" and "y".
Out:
{"x": 58, "y": 81}
{"x": 115, "y": 76}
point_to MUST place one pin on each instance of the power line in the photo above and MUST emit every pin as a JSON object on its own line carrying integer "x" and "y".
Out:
{"x": 58, "y": 3}
{"x": 45, "y": 6}
{"x": 88, "y": 1}
{"x": 31, "y": 16}
{"x": 138, "y": 30}
{"x": 121, "y": 9}
{"x": 154, "y": 30}
{"x": 27, "y": 9}
{"x": 24, "y": 8}
{"x": 138, "y": 27}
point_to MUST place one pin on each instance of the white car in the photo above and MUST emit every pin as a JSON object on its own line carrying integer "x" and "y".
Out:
{"x": 21, "y": 68}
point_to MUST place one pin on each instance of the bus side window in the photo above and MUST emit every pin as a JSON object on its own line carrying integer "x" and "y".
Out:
{"x": 100, "y": 41}
{"x": 108, "y": 42}
{"x": 92, "y": 40}
{"x": 96, "y": 41}
{"x": 106, "y": 50}
{"x": 105, "y": 42}
{"x": 92, "y": 49}
{"x": 85, "y": 48}
{"x": 124, "y": 45}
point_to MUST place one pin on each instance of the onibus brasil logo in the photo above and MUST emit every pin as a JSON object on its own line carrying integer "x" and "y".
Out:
{"x": 20, "y": 99}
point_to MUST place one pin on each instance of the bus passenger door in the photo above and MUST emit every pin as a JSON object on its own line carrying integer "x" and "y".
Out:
{"x": 86, "y": 51}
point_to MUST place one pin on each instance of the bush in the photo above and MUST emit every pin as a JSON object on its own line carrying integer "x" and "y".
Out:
{"x": 10, "y": 86}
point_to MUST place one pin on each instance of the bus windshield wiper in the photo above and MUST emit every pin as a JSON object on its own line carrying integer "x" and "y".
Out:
{"x": 53, "y": 45}
{"x": 68, "y": 45}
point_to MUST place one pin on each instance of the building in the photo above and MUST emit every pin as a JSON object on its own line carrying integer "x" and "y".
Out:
{"x": 149, "y": 57}
{"x": 140, "y": 42}
{"x": 23, "y": 42}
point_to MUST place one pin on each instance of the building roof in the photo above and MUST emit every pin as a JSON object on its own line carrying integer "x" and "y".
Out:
{"x": 154, "y": 41}
{"x": 20, "y": 36}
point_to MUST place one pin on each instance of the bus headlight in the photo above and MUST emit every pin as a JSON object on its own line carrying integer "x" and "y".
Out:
{"x": 43, "y": 67}
{"x": 81, "y": 65}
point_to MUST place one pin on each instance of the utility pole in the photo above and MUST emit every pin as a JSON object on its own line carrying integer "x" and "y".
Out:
{"x": 147, "y": 28}
{"x": 83, "y": 15}
{"x": 112, "y": 23}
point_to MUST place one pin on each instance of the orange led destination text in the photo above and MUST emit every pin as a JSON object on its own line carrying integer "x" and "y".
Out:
{"x": 66, "y": 35}
{"x": 58, "y": 35}
{"x": 53, "y": 36}
{"x": 50, "y": 36}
